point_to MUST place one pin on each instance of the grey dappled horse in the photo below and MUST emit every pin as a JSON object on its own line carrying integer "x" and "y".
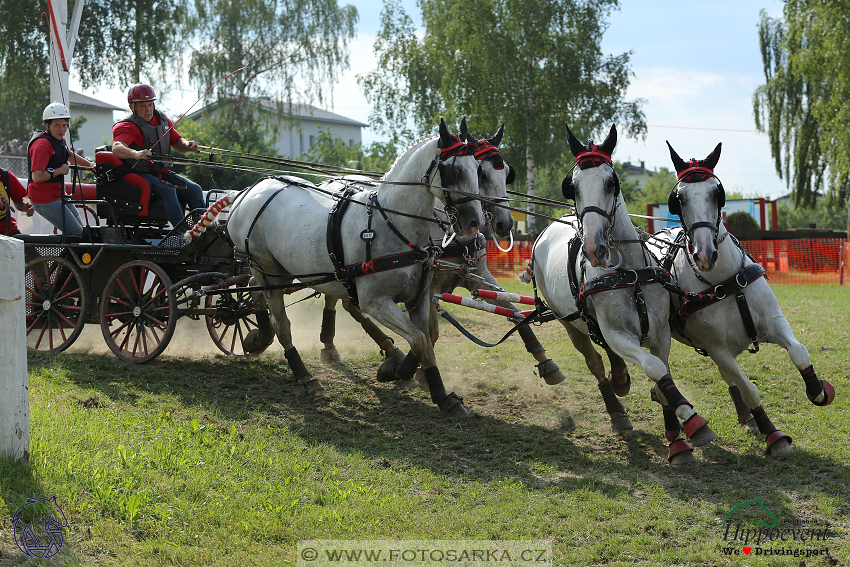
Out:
{"x": 623, "y": 305}
{"x": 494, "y": 175}
{"x": 282, "y": 223}
{"x": 737, "y": 307}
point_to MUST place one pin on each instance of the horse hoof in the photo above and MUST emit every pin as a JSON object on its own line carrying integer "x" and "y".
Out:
{"x": 452, "y": 406}
{"x": 622, "y": 382}
{"x": 311, "y": 386}
{"x": 254, "y": 343}
{"x": 329, "y": 355}
{"x": 680, "y": 453}
{"x": 778, "y": 444}
{"x": 829, "y": 394}
{"x": 698, "y": 431}
{"x": 622, "y": 425}
{"x": 387, "y": 370}
{"x": 550, "y": 372}
{"x": 749, "y": 422}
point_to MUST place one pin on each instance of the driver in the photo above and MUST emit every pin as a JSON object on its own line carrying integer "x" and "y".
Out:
{"x": 145, "y": 132}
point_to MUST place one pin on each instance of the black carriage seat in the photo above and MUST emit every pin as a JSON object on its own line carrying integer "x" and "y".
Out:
{"x": 127, "y": 192}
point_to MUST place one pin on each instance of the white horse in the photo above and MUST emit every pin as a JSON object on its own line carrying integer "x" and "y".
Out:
{"x": 736, "y": 306}
{"x": 494, "y": 175}
{"x": 283, "y": 224}
{"x": 623, "y": 304}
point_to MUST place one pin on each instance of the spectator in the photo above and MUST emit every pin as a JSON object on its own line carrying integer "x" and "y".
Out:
{"x": 5, "y": 148}
{"x": 145, "y": 131}
{"x": 11, "y": 191}
{"x": 48, "y": 157}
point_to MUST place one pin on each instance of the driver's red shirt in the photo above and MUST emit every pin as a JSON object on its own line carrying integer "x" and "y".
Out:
{"x": 130, "y": 134}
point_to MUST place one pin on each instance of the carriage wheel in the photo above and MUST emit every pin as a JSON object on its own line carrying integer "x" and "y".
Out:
{"x": 234, "y": 319}
{"x": 56, "y": 303}
{"x": 138, "y": 313}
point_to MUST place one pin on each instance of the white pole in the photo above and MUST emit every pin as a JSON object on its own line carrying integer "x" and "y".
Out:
{"x": 62, "y": 42}
{"x": 14, "y": 389}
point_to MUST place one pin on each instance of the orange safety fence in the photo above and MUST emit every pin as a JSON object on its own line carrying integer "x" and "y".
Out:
{"x": 814, "y": 261}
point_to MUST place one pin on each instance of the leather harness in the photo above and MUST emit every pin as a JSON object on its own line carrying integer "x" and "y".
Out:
{"x": 691, "y": 302}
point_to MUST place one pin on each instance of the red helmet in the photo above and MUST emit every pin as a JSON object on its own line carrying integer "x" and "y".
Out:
{"x": 140, "y": 92}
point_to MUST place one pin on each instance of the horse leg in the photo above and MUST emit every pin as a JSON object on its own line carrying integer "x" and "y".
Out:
{"x": 329, "y": 353}
{"x": 620, "y": 422}
{"x": 415, "y": 330}
{"x": 259, "y": 339}
{"x": 667, "y": 393}
{"x": 283, "y": 330}
{"x": 548, "y": 368}
{"x": 777, "y": 442}
{"x": 619, "y": 376}
{"x": 388, "y": 349}
{"x": 819, "y": 392}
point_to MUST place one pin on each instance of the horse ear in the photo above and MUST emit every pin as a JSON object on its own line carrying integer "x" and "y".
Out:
{"x": 446, "y": 139}
{"x": 576, "y": 147}
{"x": 511, "y": 175}
{"x": 497, "y": 137}
{"x": 610, "y": 141}
{"x": 711, "y": 160}
{"x": 464, "y": 133}
{"x": 678, "y": 162}
{"x": 567, "y": 189}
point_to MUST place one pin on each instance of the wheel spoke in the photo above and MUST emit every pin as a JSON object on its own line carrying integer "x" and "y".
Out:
{"x": 118, "y": 300}
{"x": 40, "y": 336}
{"x": 126, "y": 294}
{"x": 34, "y": 323}
{"x": 233, "y": 341}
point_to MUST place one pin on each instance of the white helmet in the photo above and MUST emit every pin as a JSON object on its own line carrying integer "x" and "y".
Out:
{"x": 55, "y": 110}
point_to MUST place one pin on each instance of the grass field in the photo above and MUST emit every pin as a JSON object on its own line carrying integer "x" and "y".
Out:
{"x": 197, "y": 459}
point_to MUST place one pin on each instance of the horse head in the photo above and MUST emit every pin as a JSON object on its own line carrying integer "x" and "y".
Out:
{"x": 595, "y": 189}
{"x": 697, "y": 200}
{"x": 494, "y": 175}
{"x": 458, "y": 170}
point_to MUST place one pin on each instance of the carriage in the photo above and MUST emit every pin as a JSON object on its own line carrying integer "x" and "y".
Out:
{"x": 133, "y": 276}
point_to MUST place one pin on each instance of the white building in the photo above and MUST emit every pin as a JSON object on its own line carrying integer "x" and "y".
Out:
{"x": 294, "y": 139}
{"x": 97, "y": 129}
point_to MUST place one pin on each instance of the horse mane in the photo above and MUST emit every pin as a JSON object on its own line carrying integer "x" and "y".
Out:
{"x": 415, "y": 142}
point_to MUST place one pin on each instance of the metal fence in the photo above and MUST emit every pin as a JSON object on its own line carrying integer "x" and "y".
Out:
{"x": 15, "y": 164}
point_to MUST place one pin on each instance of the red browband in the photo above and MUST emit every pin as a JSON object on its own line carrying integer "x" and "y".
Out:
{"x": 594, "y": 155}
{"x": 695, "y": 169}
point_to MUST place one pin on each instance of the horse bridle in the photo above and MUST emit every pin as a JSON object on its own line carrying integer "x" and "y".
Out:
{"x": 695, "y": 174}
{"x": 593, "y": 157}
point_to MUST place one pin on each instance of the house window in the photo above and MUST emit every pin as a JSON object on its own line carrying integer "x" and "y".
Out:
{"x": 312, "y": 140}
{"x": 350, "y": 143}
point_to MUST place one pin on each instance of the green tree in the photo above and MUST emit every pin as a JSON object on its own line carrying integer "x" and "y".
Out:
{"x": 296, "y": 48}
{"x": 821, "y": 215}
{"x": 234, "y": 129}
{"x": 741, "y": 221}
{"x": 803, "y": 104}
{"x": 534, "y": 64}
{"x": 332, "y": 150}
{"x": 24, "y": 68}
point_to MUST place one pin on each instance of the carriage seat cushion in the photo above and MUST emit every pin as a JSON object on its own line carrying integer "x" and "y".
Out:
{"x": 128, "y": 193}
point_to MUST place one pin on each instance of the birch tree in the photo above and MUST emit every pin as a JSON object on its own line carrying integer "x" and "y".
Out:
{"x": 534, "y": 64}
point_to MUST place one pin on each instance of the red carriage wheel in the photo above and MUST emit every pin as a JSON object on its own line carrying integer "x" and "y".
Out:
{"x": 235, "y": 317}
{"x": 56, "y": 303}
{"x": 137, "y": 312}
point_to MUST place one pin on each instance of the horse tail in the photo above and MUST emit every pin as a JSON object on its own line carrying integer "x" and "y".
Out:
{"x": 210, "y": 216}
{"x": 528, "y": 273}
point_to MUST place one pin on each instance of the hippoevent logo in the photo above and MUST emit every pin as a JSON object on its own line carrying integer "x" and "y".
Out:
{"x": 38, "y": 527}
{"x": 750, "y": 528}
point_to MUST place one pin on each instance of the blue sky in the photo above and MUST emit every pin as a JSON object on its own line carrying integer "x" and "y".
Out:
{"x": 696, "y": 64}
